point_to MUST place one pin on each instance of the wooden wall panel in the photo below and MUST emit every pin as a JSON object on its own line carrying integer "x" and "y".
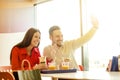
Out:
{"x": 15, "y": 3}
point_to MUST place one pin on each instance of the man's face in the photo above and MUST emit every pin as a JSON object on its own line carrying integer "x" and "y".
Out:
{"x": 57, "y": 38}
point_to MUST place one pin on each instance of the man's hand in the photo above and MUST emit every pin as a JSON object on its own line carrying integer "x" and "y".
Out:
{"x": 94, "y": 22}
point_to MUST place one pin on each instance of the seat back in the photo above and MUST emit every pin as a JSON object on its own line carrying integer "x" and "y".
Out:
{"x": 6, "y": 76}
{"x": 81, "y": 68}
{"x": 5, "y": 69}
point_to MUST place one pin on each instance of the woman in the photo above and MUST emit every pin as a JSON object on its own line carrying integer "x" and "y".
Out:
{"x": 27, "y": 49}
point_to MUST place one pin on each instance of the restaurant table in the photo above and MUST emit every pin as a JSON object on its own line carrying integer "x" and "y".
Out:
{"x": 84, "y": 75}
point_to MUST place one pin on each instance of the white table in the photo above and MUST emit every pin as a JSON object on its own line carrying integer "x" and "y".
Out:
{"x": 85, "y": 75}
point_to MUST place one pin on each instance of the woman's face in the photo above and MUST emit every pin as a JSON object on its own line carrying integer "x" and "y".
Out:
{"x": 35, "y": 39}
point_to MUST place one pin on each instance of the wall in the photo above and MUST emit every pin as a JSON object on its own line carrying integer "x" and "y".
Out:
{"x": 7, "y": 41}
{"x": 15, "y": 19}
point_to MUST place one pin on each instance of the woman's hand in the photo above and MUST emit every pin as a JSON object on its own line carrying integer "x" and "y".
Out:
{"x": 40, "y": 66}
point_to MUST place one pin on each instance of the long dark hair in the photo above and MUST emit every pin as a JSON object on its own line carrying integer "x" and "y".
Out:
{"x": 26, "y": 40}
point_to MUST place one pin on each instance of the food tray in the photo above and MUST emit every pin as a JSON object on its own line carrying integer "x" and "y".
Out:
{"x": 58, "y": 71}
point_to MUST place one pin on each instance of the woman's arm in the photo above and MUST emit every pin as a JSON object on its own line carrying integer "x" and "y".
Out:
{"x": 15, "y": 59}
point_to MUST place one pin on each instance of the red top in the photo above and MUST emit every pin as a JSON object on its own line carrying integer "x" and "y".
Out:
{"x": 18, "y": 54}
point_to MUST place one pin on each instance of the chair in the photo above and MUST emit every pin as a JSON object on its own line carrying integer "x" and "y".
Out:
{"x": 6, "y": 76}
{"x": 8, "y": 69}
{"x": 81, "y": 67}
{"x": 5, "y": 68}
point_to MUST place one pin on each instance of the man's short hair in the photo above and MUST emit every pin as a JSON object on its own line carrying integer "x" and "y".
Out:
{"x": 53, "y": 28}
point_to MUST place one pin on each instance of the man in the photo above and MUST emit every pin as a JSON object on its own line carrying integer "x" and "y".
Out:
{"x": 59, "y": 49}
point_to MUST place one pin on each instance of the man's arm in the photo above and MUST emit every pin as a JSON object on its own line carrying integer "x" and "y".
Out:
{"x": 47, "y": 54}
{"x": 85, "y": 38}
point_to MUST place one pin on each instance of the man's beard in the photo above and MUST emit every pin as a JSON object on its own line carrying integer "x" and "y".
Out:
{"x": 59, "y": 45}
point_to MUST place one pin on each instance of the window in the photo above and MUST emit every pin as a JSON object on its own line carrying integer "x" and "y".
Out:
{"x": 106, "y": 42}
{"x": 64, "y": 13}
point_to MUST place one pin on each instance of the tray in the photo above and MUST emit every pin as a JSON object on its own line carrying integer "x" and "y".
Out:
{"x": 58, "y": 71}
